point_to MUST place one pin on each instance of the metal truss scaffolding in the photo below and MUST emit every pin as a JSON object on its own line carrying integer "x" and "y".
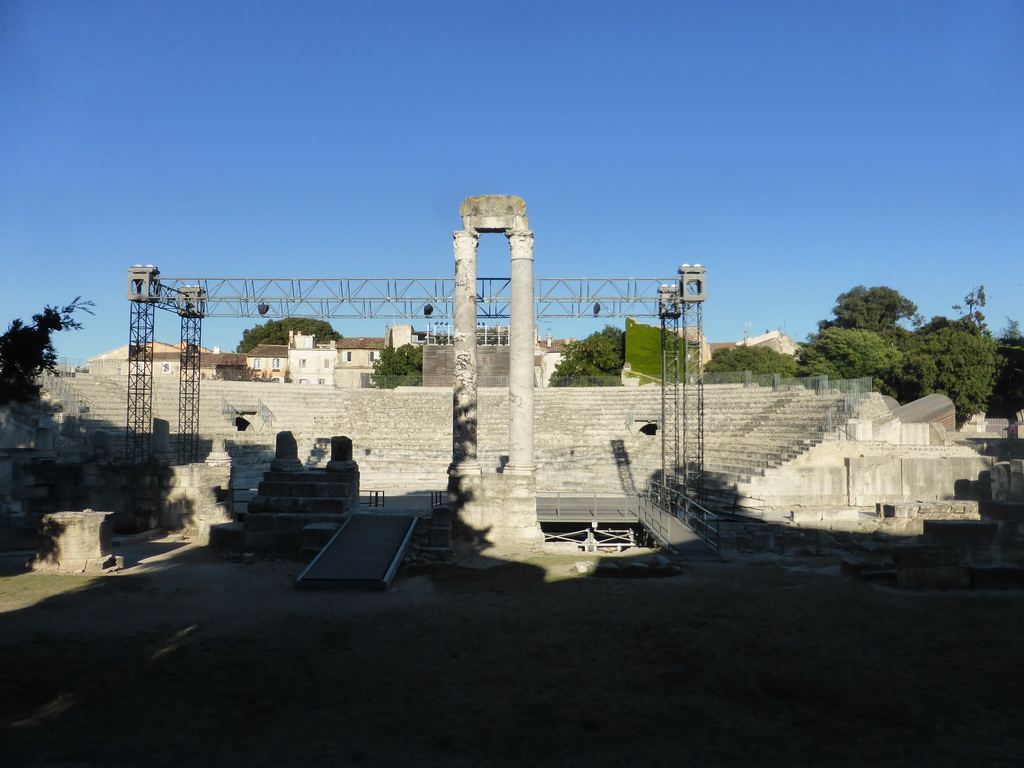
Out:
{"x": 146, "y": 293}
{"x": 416, "y": 297}
{"x": 355, "y": 298}
{"x": 671, "y": 375}
{"x": 682, "y": 394}
{"x": 142, "y": 290}
{"x": 190, "y": 308}
{"x": 691, "y": 405}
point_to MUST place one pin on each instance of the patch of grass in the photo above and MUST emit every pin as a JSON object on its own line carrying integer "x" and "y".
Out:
{"x": 30, "y": 588}
{"x": 643, "y": 348}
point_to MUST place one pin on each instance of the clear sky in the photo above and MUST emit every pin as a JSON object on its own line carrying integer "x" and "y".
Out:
{"x": 794, "y": 148}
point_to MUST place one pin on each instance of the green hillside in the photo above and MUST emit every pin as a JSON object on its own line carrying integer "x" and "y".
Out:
{"x": 643, "y": 350}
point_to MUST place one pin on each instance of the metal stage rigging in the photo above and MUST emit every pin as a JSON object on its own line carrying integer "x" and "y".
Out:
{"x": 416, "y": 297}
{"x": 677, "y": 301}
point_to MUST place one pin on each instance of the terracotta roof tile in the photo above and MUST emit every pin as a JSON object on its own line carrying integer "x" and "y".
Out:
{"x": 359, "y": 342}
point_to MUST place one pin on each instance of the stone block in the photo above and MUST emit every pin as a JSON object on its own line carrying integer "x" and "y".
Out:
{"x": 924, "y": 556}
{"x": 934, "y": 577}
{"x": 69, "y": 540}
{"x": 997, "y": 577}
{"x": 976, "y": 542}
{"x": 288, "y": 522}
{"x": 104, "y": 564}
{"x": 257, "y": 540}
{"x": 316, "y": 535}
{"x": 259, "y": 522}
{"x": 227, "y": 535}
{"x": 289, "y": 540}
{"x": 1016, "y": 480}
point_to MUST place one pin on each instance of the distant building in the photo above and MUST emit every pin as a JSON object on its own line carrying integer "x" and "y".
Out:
{"x": 268, "y": 362}
{"x": 774, "y": 340}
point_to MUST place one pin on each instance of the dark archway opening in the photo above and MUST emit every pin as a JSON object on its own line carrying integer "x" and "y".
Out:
{"x": 649, "y": 429}
{"x": 242, "y": 424}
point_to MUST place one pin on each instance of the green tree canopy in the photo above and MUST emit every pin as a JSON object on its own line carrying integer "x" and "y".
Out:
{"x": 26, "y": 350}
{"x": 1008, "y": 392}
{"x": 759, "y": 360}
{"x": 276, "y": 332}
{"x": 848, "y": 353}
{"x": 879, "y": 309}
{"x": 602, "y": 353}
{"x": 954, "y": 357}
{"x": 398, "y": 365}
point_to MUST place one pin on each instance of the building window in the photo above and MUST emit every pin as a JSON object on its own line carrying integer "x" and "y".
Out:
{"x": 373, "y": 355}
{"x": 320, "y": 382}
{"x": 348, "y": 357}
{"x": 165, "y": 368}
{"x": 257, "y": 362}
{"x": 302, "y": 363}
{"x": 327, "y": 362}
{"x": 276, "y": 364}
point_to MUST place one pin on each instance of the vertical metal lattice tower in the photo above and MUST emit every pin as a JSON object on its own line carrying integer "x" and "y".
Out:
{"x": 191, "y": 306}
{"x": 680, "y": 307}
{"x": 143, "y": 293}
{"x": 691, "y": 294}
{"x": 669, "y": 310}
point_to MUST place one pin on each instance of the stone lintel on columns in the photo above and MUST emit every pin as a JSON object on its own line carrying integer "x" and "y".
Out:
{"x": 494, "y": 213}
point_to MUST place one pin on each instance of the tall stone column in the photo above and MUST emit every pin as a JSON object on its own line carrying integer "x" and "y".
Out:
{"x": 521, "y": 354}
{"x": 464, "y": 395}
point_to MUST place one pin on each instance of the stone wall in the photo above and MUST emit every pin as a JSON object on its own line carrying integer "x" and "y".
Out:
{"x": 863, "y": 474}
{"x": 187, "y": 498}
{"x": 491, "y": 363}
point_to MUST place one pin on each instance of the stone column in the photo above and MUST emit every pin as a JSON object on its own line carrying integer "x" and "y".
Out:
{"x": 521, "y": 354}
{"x": 286, "y": 454}
{"x": 464, "y": 395}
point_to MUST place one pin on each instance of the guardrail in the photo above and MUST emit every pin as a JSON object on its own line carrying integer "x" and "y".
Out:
{"x": 265, "y": 414}
{"x": 662, "y": 508}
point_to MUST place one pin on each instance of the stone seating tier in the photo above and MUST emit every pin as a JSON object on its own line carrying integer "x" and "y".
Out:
{"x": 403, "y": 437}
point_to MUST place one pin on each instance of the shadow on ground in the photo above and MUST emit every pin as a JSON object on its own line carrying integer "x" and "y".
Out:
{"x": 188, "y": 659}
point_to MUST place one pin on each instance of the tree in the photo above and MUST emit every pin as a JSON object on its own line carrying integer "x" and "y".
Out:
{"x": 954, "y": 357}
{"x": 848, "y": 353}
{"x": 397, "y": 366}
{"x": 1008, "y": 391}
{"x": 27, "y": 350}
{"x": 759, "y": 360}
{"x": 602, "y": 353}
{"x": 276, "y": 332}
{"x": 971, "y": 308}
{"x": 879, "y": 309}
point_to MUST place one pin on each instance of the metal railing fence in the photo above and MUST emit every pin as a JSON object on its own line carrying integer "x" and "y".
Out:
{"x": 660, "y": 500}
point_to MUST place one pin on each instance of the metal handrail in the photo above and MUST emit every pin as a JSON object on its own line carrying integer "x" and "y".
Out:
{"x": 692, "y": 514}
{"x": 265, "y": 414}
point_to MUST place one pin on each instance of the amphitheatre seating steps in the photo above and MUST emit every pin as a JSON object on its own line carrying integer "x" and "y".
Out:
{"x": 405, "y": 434}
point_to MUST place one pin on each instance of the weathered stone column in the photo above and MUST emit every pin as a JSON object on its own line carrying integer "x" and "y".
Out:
{"x": 464, "y": 395}
{"x": 521, "y": 354}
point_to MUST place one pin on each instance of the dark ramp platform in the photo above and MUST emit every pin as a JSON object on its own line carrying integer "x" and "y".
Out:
{"x": 364, "y": 554}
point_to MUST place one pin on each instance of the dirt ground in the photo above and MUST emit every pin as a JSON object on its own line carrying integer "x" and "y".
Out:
{"x": 504, "y": 659}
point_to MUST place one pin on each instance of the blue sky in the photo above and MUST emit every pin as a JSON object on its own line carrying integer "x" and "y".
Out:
{"x": 796, "y": 149}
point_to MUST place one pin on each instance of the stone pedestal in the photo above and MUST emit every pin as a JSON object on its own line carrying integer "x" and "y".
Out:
{"x": 286, "y": 454}
{"x": 44, "y": 445}
{"x": 74, "y": 542}
{"x": 495, "y": 509}
{"x": 219, "y": 457}
{"x": 343, "y": 467}
{"x": 161, "y": 441}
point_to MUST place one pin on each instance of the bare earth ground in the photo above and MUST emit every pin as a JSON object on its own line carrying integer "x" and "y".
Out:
{"x": 186, "y": 659}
